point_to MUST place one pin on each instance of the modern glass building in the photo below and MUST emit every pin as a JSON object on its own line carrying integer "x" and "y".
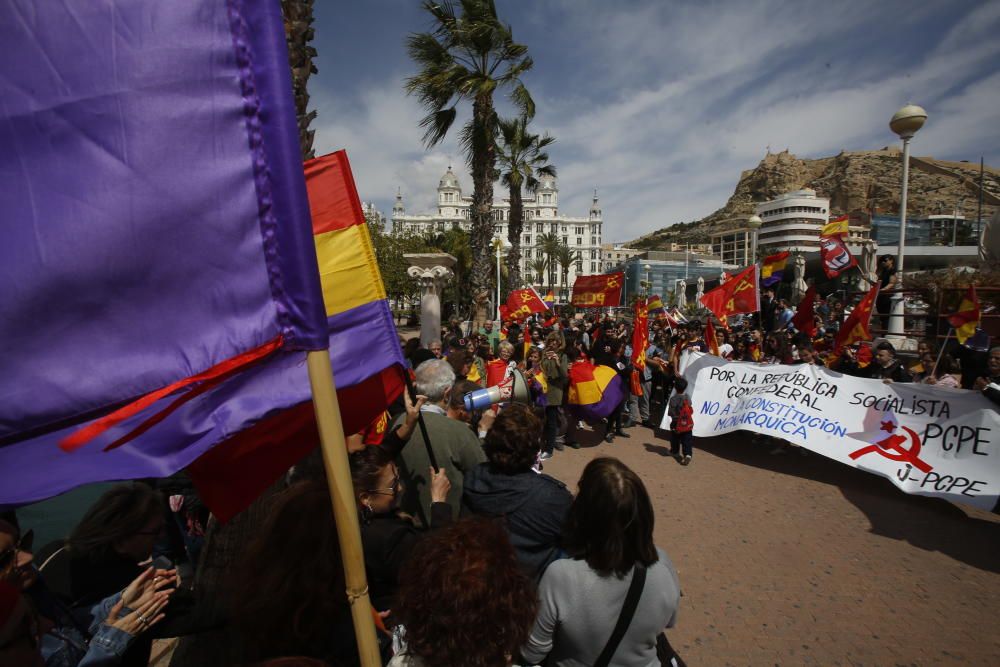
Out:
{"x": 665, "y": 269}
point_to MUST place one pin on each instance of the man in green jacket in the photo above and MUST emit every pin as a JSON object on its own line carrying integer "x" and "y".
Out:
{"x": 556, "y": 369}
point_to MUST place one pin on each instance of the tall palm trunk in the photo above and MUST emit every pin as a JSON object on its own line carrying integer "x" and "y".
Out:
{"x": 514, "y": 227}
{"x": 481, "y": 230}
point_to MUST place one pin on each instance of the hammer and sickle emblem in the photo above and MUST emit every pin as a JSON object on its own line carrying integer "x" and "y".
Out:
{"x": 525, "y": 297}
{"x": 892, "y": 449}
{"x": 742, "y": 287}
{"x": 612, "y": 282}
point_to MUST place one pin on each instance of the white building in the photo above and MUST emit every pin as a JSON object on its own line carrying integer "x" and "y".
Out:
{"x": 792, "y": 222}
{"x": 541, "y": 216}
{"x": 613, "y": 254}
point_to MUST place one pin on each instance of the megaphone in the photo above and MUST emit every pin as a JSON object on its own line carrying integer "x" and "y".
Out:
{"x": 514, "y": 388}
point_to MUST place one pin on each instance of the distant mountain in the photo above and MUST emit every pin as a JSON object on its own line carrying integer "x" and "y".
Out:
{"x": 855, "y": 181}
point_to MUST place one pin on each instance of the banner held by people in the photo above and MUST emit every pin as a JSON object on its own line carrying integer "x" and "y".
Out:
{"x": 598, "y": 291}
{"x": 927, "y": 440}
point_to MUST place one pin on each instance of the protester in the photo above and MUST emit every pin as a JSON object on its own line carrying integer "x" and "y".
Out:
{"x": 988, "y": 381}
{"x": 943, "y": 373}
{"x": 887, "y": 281}
{"x": 464, "y": 599}
{"x": 491, "y": 337}
{"x": 533, "y": 506}
{"x": 386, "y": 536}
{"x": 455, "y": 446}
{"x": 609, "y": 538}
{"x": 555, "y": 366}
{"x": 460, "y": 363}
{"x": 435, "y": 347}
{"x": 681, "y": 412}
{"x": 288, "y": 593}
{"x": 90, "y": 635}
{"x": 886, "y": 367}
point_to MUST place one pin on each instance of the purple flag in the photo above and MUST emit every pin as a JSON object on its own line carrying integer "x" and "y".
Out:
{"x": 155, "y": 225}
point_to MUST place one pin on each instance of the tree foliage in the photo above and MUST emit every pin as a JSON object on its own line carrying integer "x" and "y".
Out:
{"x": 466, "y": 57}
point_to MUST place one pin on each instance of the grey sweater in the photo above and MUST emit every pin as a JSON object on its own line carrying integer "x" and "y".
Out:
{"x": 578, "y": 609}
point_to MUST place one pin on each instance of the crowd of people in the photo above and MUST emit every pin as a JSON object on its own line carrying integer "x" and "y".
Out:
{"x": 474, "y": 555}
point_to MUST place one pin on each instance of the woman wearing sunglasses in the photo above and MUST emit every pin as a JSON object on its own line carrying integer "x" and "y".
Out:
{"x": 388, "y": 536}
{"x": 40, "y": 630}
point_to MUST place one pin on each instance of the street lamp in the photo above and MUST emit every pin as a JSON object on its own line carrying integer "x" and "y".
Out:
{"x": 649, "y": 285}
{"x": 753, "y": 223}
{"x": 905, "y": 123}
{"x": 500, "y": 245}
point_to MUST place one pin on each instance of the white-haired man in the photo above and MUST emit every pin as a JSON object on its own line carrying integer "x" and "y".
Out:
{"x": 455, "y": 446}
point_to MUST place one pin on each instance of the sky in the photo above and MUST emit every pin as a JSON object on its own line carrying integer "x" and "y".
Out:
{"x": 660, "y": 105}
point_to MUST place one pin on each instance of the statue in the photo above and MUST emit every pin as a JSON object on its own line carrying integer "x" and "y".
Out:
{"x": 682, "y": 300}
{"x": 701, "y": 291}
{"x": 799, "y": 286}
{"x": 869, "y": 262}
{"x": 722, "y": 277}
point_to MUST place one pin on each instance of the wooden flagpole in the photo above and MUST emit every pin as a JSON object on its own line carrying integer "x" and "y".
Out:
{"x": 334, "y": 449}
{"x": 941, "y": 351}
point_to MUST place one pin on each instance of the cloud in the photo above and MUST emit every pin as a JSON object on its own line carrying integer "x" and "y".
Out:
{"x": 662, "y": 105}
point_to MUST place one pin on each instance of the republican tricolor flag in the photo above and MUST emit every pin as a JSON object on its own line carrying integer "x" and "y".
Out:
{"x": 966, "y": 318}
{"x": 772, "y": 269}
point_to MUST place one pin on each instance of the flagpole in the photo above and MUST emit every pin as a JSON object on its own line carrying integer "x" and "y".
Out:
{"x": 941, "y": 351}
{"x": 334, "y": 450}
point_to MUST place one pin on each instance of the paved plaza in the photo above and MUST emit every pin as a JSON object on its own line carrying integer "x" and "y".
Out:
{"x": 799, "y": 560}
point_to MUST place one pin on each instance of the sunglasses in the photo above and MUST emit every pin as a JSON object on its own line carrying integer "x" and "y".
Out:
{"x": 23, "y": 543}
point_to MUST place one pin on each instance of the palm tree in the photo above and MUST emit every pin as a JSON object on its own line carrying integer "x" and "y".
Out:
{"x": 521, "y": 157}
{"x": 298, "y": 18}
{"x": 566, "y": 258}
{"x": 538, "y": 267}
{"x": 466, "y": 58}
{"x": 549, "y": 243}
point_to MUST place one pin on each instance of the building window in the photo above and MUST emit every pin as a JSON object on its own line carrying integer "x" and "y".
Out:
{"x": 593, "y": 240}
{"x": 527, "y": 240}
{"x": 593, "y": 254}
{"x": 539, "y": 227}
{"x": 579, "y": 267}
{"x": 579, "y": 241}
{"x": 593, "y": 267}
{"x": 538, "y": 253}
{"x": 565, "y": 240}
{"x": 579, "y": 231}
{"x": 555, "y": 228}
{"x": 564, "y": 229}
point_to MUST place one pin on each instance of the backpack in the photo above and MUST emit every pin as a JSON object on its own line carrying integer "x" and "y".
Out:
{"x": 683, "y": 417}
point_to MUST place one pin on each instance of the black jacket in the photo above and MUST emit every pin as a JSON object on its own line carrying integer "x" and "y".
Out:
{"x": 533, "y": 505}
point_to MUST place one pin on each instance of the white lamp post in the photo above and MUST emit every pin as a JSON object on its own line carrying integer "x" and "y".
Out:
{"x": 501, "y": 245}
{"x": 753, "y": 223}
{"x": 649, "y": 285}
{"x": 905, "y": 123}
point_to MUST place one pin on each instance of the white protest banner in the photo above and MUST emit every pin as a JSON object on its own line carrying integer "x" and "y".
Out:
{"x": 928, "y": 440}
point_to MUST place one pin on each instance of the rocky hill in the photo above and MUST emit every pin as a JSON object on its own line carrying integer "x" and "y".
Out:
{"x": 854, "y": 181}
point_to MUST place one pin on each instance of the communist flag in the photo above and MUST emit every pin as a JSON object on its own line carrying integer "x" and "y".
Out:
{"x": 804, "y": 319}
{"x": 835, "y": 227}
{"x": 598, "y": 291}
{"x": 773, "y": 268}
{"x": 738, "y": 295}
{"x": 855, "y": 328}
{"x": 966, "y": 318}
{"x": 524, "y": 302}
{"x": 640, "y": 341}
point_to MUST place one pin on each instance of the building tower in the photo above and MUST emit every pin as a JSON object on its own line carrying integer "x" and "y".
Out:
{"x": 449, "y": 195}
{"x": 595, "y": 208}
{"x": 398, "y": 211}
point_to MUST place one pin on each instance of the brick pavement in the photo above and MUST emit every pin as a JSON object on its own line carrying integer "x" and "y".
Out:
{"x": 791, "y": 560}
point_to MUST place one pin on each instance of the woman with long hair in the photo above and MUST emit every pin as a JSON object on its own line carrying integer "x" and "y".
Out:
{"x": 609, "y": 538}
{"x": 464, "y": 599}
{"x": 288, "y": 595}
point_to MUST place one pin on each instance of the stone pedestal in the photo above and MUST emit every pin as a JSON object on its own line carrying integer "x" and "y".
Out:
{"x": 432, "y": 271}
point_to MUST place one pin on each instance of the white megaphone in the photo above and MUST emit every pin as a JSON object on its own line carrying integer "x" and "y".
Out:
{"x": 514, "y": 388}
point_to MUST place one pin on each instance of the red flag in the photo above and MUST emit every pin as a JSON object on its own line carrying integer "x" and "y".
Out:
{"x": 855, "y": 328}
{"x": 835, "y": 256}
{"x": 640, "y": 341}
{"x": 739, "y": 295}
{"x": 524, "y": 302}
{"x": 966, "y": 319}
{"x": 710, "y": 339}
{"x": 805, "y": 317}
{"x": 598, "y": 291}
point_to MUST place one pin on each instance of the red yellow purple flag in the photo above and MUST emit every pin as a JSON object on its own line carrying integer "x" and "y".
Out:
{"x": 772, "y": 269}
{"x": 966, "y": 318}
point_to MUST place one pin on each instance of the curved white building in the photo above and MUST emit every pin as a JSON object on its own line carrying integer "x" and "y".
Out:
{"x": 792, "y": 222}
